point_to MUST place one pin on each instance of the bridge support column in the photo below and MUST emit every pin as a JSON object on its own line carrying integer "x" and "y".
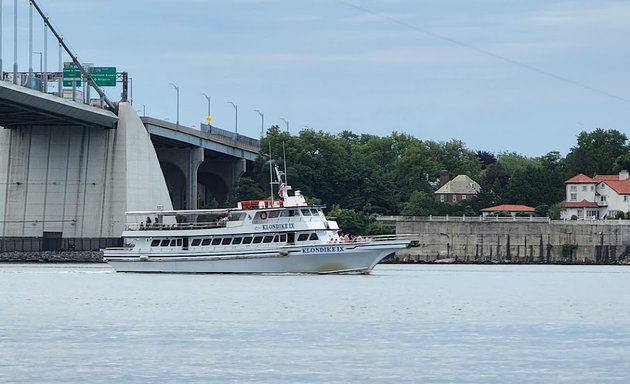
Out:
{"x": 196, "y": 158}
{"x": 239, "y": 167}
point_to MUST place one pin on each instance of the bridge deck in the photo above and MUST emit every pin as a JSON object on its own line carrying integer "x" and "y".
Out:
{"x": 20, "y": 106}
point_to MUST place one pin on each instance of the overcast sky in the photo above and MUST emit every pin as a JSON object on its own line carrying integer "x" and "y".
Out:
{"x": 500, "y": 75}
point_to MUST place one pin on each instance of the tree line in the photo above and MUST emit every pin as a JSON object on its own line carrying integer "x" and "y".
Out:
{"x": 360, "y": 176}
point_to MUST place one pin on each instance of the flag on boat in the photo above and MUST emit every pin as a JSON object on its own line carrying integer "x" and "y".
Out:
{"x": 281, "y": 189}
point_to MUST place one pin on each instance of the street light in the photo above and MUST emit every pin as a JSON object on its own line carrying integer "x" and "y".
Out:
{"x": 286, "y": 122}
{"x": 41, "y": 85}
{"x": 235, "y": 117}
{"x": 177, "y": 90}
{"x": 40, "y": 60}
{"x": 208, "y": 99}
{"x": 262, "y": 122}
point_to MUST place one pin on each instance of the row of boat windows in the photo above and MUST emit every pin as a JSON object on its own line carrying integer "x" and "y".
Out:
{"x": 237, "y": 240}
{"x": 286, "y": 213}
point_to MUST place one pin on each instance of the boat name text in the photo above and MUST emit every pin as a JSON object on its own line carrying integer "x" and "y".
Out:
{"x": 267, "y": 227}
{"x": 327, "y": 249}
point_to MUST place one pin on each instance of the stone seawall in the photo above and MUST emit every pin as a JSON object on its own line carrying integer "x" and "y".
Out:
{"x": 474, "y": 241}
{"x": 51, "y": 257}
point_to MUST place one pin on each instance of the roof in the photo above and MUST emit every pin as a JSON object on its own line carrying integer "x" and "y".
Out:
{"x": 581, "y": 179}
{"x": 461, "y": 184}
{"x": 622, "y": 187}
{"x": 509, "y": 208}
{"x": 600, "y": 178}
{"x": 579, "y": 204}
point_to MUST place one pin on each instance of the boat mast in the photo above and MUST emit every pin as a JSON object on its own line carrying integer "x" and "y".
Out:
{"x": 270, "y": 174}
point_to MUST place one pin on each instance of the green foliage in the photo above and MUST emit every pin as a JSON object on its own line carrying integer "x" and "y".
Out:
{"x": 349, "y": 220}
{"x": 375, "y": 229}
{"x": 554, "y": 211}
{"x": 247, "y": 189}
{"x": 398, "y": 174}
{"x": 542, "y": 210}
{"x": 596, "y": 152}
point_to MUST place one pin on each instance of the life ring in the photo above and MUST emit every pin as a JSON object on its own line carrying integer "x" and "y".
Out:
{"x": 263, "y": 215}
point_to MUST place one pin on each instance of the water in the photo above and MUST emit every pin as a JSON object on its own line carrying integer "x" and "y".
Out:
{"x": 402, "y": 324}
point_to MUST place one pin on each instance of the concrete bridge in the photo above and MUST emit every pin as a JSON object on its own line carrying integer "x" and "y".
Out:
{"x": 70, "y": 171}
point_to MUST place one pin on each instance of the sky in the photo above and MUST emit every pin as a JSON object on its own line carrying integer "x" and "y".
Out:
{"x": 499, "y": 75}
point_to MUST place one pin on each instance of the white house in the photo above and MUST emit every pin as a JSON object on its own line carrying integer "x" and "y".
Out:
{"x": 596, "y": 197}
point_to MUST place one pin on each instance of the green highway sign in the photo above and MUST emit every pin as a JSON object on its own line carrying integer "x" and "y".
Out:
{"x": 104, "y": 76}
{"x": 71, "y": 73}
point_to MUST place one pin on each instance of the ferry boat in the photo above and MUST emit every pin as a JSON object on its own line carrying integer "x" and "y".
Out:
{"x": 258, "y": 236}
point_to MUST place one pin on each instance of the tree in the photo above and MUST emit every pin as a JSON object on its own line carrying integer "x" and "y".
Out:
{"x": 596, "y": 152}
{"x": 486, "y": 158}
{"x": 247, "y": 189}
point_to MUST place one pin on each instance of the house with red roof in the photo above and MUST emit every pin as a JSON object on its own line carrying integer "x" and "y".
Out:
{"x": 596, "y": 197}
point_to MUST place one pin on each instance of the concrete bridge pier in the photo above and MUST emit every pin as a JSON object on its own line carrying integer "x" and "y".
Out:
{"x": 194, "y": 177}
{"x": 218, "y": 179}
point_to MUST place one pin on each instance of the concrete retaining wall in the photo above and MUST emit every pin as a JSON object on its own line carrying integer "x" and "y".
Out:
{"x": 599, "y": 242}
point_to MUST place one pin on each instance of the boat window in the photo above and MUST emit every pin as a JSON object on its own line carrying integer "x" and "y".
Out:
{"x": 257, "y": 239}
{"x": 273, "y": 214}
{"x": 306, "y": 212}
{"x": 206, "y": 241}
{"x": 237, "y": 240}
{"x": 195, "y": 242}
{"x": 283, "y": 237}
{"x": 155, "y": 243}
{"x": 247, "y": 240}
{"x": 268, "y": 239}
{"x": 165, "y": 243}
{"x": 226, "y": 241}
{"x": 303, "y": 237}
{"x": 288, "y": 212}
{"x": 313, "y": 236}
{"x": 237, "y": 216}
{"x": 276, "y": 238}
{"x": 216, "y": 241}
{"x": 315, "y": 212}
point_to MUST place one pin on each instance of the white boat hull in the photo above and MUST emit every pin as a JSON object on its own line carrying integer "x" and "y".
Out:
{"x": 335, "y": 258}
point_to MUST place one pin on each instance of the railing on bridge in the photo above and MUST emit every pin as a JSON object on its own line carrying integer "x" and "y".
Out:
{"x": 230, "y": 135}
{"x": 215, "y": 134}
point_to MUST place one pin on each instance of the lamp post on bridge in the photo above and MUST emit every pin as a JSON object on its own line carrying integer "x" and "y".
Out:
{"x": 40, "y": 60}
{"x": 235, "y": 118}
{"x": 177, "y": 90}
{"x": 41, "y": 74}
{"x": 208, "y": 118}
{"x": 262, "y": 122}
{"x": 286, "y": 122}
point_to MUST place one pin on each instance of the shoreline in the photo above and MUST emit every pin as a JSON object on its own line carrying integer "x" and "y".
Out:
{"x": 96, "y": 257}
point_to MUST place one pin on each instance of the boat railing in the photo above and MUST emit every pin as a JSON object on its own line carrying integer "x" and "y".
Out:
{"x": 176, "y": 226}
{"x": 394, "y": 237}
{"x": 380, "y": 238}
{"x": 288, "y": 219}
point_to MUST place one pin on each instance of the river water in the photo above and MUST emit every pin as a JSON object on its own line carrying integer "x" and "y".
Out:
{"x": 69, "y": 323}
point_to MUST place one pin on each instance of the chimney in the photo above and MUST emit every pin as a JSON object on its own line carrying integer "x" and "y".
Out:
{"x": 443, "y": 177}
{"x": 623, "y": 175}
